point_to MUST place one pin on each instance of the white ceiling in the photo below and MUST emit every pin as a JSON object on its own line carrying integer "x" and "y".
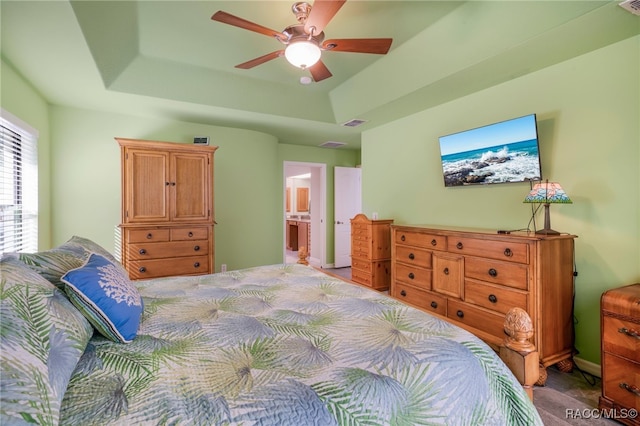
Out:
{"x": 169, "y": 59}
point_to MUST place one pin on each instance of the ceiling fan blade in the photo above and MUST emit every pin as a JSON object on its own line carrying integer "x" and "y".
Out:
{"x": 227, "y": 18}
{"x": 358, "y": 45}
{"x": 321, "y": 13}
{"x": 319, "y": 71}
{"x": 261, "y": 60}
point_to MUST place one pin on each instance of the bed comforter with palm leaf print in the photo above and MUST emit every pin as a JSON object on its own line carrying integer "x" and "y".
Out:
{"x": 289, "y": 345}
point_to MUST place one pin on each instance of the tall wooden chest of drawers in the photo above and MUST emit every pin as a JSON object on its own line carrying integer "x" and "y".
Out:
{"x": 620, "y": 331}
{"x": 371, "y": 252}
{"x": 167, "y": 208}
{"x": 473, "y": 277}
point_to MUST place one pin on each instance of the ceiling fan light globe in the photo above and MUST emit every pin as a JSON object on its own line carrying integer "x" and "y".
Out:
{"x": 302, "y": 54}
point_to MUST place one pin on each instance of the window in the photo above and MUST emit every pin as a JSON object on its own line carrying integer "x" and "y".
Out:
{"x": 18, "y": 185}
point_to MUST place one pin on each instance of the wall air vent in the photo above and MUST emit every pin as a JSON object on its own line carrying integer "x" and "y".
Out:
{"x": 632, "y": 6}
{"x": 332, "y": 144}
{"x": 354, "y": 123}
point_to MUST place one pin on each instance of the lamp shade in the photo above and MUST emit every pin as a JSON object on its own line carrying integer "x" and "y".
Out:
{"x": 547, "y": 193}
{"x": 302, "y": 54}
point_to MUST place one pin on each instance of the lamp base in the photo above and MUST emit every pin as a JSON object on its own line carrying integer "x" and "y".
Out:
{"x": 547, "y": 223}
{"x": 547, "y": 232}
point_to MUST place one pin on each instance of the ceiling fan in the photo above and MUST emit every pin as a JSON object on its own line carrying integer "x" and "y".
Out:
{"x": 305, "y": 41}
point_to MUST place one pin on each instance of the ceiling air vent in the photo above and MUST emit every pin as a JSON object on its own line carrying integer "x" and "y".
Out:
{"x": 354, "y": 123}
{"x": 332, "y": 144}
{"x": 632, "y": 6}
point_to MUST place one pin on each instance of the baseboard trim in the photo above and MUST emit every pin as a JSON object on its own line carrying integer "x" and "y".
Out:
{"x": 588, "y": 366}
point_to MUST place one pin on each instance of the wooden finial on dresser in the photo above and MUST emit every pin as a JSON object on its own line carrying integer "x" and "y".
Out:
{"x": 302, "y": 255}
{"x": 517, "y": 352}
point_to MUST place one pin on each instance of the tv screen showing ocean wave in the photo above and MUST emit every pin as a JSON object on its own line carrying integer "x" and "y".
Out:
{"x": 499, "y": 153}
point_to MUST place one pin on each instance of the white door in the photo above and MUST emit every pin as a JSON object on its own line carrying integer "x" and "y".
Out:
{"x": 347, "y": 204}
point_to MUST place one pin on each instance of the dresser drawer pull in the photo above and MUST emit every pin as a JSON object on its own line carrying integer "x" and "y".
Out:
{"x": 190, "y": 234}
{"x": 434, "y": 242}
{"x": 493, "y": 272}
{"x": 411, "y": 276}
{"x": 460, "y": 314}
{"x": 508, "y": 252}
{"x": 149, "y": 236}
{"x": 631, "y": 388}
{"x": 403, "y": 293}
{"x": 196, "y": 265}
{"x": 412, "y": 256}
{"x": 446, "y": 271}
{"x": 459, "y": 246}
{"x": 142, "y": 251}
{"x": 434, "y": 304}
{"x": 493, "y": 298}
{"x": 142, "y": 269}
{"x": 196, "y": 248}
{"x": 629, "y": 332}
{"x": 402, "y": 238}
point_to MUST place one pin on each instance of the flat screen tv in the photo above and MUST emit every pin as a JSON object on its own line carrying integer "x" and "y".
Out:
{"x": 502, "y": 152}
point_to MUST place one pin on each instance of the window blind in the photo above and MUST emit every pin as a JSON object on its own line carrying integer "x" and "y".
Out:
{"x": 18, "y": 185}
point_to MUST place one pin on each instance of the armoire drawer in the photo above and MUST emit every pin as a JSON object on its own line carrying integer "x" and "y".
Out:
{"x": 147, "y": 235}
{"x": 509, "y": 274}
{"x": 361, "y": 265}
{"x": 152, "y": 268}
{"x": 424, "y": 299}
{"x": 169, "y": 249}
{"x": 510, "y": 251}
{"x": 414, "y": 276}
{"x": 189, "y": 234}
{"x": 496, "y": 298}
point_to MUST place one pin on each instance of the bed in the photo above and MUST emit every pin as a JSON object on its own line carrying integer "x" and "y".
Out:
{"x": 269, "y": 345}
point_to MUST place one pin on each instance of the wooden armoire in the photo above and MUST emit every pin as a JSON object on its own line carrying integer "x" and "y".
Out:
{"x": 167, "y": 224}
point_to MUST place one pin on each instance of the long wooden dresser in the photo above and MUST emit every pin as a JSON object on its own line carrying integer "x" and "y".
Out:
{"x": 371, "y": 252}
{"x": 473, "y": 277}
{"x": 167, "y": 208}
{"x": 620, "y": 329}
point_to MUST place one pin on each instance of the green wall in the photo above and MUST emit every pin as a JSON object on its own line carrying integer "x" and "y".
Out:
{"x": 588, "y": 110}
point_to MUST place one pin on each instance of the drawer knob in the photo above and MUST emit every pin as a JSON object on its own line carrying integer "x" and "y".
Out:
{"x": 149, "y": 236}
{"x": 434, "y": 242}
{"x": 434, "y": 304}
{"x": 631, "y": 388}
{"x": 142, "y": 251}
{"x": 459, "y": 246}
{"x": 629, "y": 332}
{"x": 493, "y": 298}
{"x": 403, "y": 293}
{"x": 142, "y": 269}
{"x": 411, "y": 276}
{"x": 196, "y": 248}
{"x": 190, "y": 234}
{"x": 402, "y": 238}
{"x": 446, "y": 271}
{"x": 196, "y": 265}
{"x": 412, "y": 256}
{"x": 508, "y": 252}
{"x": 460, "y": 314}
{"x": 493, "y": 272}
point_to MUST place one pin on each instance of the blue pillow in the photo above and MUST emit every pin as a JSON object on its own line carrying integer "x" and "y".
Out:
{"x": 101, "y": 290}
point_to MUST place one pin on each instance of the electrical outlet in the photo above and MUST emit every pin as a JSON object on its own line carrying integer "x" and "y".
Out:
{"x": 223, "y": 267}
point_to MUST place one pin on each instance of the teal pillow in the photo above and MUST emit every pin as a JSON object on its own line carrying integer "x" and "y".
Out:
{"x": 54, "y": 263}
{"x": 43, "y": 338}
{"x": 101, "y": 290}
